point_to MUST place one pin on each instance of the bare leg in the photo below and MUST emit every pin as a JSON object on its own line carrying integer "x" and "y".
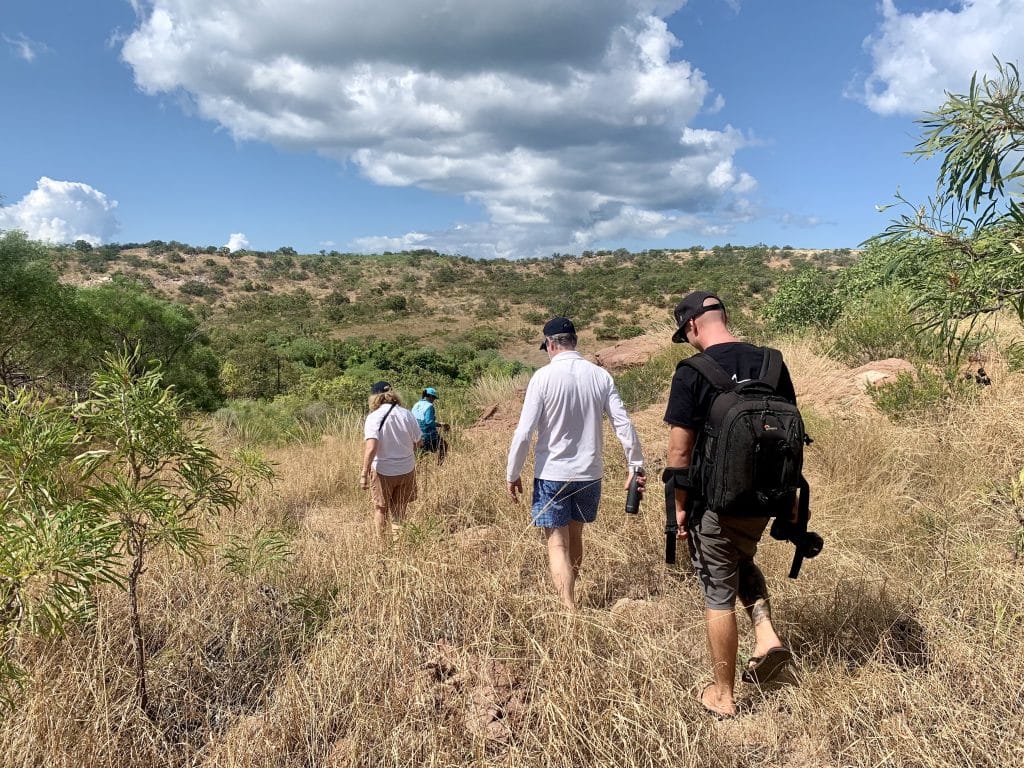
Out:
{"x": 753, "y": 594}
{"x": 723, "y": 642}
{"x": 560, "y": 564}
{"x": 380, "y": 521}
{"x": 576, "y": 547}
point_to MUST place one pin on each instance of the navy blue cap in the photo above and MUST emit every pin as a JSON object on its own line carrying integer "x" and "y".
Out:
{"x": 380, "y": 388}
{"x": 555, "y": 326}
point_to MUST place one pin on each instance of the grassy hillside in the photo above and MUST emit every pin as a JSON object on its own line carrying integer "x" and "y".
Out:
{"x": 450, "y": 648}
{"x": 281, "y": 341}
{"x": 425, "y": 294}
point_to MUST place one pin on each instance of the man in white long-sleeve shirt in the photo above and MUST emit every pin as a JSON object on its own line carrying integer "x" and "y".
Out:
{"x": 566, "y": 402}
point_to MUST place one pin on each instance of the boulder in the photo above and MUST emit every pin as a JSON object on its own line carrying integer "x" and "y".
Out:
{"x": 630, "y": 352}
{"x": 880, "y": 372}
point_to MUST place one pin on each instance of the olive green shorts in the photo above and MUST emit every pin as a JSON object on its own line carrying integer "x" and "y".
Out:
{"x": 720, "y": 548}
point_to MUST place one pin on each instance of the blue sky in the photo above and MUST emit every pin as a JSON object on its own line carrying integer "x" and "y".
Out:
{"x": 508, "y": 127}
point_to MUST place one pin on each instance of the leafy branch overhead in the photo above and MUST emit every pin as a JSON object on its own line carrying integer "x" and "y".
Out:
{"x": 979, "y": 133}
{"x": 967, "y": 243}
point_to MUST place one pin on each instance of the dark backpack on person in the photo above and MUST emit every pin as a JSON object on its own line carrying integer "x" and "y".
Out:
{"x": 749, "y": 456}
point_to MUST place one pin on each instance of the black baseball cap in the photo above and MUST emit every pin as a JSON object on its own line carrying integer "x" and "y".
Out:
{"x": 555, "y": 326}
{"x": 690, "y": 308}
{"x": 379, "y": 388}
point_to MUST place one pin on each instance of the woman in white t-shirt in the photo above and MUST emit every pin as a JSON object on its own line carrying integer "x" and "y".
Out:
{"x": 389, "y": 461}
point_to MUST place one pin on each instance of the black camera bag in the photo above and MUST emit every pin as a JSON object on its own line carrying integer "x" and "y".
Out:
{"x": 749, "y": 457}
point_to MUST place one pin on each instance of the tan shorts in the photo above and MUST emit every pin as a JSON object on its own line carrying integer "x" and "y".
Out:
{"x": 393, "y": 492}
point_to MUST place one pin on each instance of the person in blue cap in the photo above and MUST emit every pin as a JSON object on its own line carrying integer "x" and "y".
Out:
{"x": 430, "y": 427}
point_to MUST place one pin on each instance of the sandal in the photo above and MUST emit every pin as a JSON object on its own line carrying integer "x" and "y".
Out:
{"x": 762, "y": 670}
{"x": 711, "y": 710}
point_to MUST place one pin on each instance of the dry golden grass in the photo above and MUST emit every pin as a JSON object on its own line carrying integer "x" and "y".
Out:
{"x": 449, "y": 648}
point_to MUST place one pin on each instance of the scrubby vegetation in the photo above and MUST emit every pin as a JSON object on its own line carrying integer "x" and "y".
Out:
{"x": 161, "y": 603}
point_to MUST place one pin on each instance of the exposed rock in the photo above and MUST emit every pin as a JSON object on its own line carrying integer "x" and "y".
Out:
{"x": 491, "y": 703}
{"x": 444, "y": 662}
{"x": 483, "y": 694}
{"x": 630, "y": 352}
{"x": 880, "y": 372}
{"x": 500, "y": 416}
{"x": 825, "y": 385}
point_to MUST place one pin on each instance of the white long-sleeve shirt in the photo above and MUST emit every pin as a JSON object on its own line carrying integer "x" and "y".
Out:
{"x": 566, "y": 401}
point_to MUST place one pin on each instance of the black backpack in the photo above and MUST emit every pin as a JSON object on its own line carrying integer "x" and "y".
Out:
{"x": 749, "y": 457}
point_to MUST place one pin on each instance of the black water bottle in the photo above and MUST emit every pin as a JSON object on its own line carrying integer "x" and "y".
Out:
{"x": 634, "y": 495}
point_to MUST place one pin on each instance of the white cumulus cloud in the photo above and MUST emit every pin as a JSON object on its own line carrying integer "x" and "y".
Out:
{"x": 237, "y": 242}
{"x": 62, "y": 212}
{"x": 918, "y": 57}
{"x": 563, "y": 119}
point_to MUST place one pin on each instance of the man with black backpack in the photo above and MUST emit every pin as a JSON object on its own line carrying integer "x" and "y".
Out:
{"x": 734, "y": 461}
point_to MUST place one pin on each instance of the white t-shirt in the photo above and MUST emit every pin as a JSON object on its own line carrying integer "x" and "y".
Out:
{"x": 566, "y": 402}
{"x": 396, "y": 442}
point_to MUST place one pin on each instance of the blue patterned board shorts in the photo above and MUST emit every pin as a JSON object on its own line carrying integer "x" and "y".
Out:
{"x": 556, "y": 502}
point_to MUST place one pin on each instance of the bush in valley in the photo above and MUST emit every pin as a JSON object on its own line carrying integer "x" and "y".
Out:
{"x": 47, "y": 328}
{"x": 645, "y": 384}
{"x": 928, "y": 392}
{"x": 168, "y": 334}
{"x": 613, "y": 329}
{"x": 221, "y": 274}
{"x": 396, "y": 303}
{"x": 485, "y": 337}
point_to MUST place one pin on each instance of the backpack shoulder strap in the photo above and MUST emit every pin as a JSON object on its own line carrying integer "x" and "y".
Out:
{"x": 381, "y": 425}
{"x": 771, "y": 368}
{"x": 710, "y": 370}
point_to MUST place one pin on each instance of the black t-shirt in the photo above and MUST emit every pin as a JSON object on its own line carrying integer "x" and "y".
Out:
{"x": 690, "y": 398}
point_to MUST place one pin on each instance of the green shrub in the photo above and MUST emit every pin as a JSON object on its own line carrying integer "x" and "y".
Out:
{"x": 198, "y": 288}
{"x": 613, "y": 331}
{"x": 918, "y": 395}
{"x": 645, "y": 384}
{"x": 256, "y": 422}
{"x": 221, "y": 274}
{"x": 396, "y": 303}
{"x": 485, "y": 338}
{"x": 806, "y": 300}
{"x": 55, "y": 547}
{"x": 878, "y": 326}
